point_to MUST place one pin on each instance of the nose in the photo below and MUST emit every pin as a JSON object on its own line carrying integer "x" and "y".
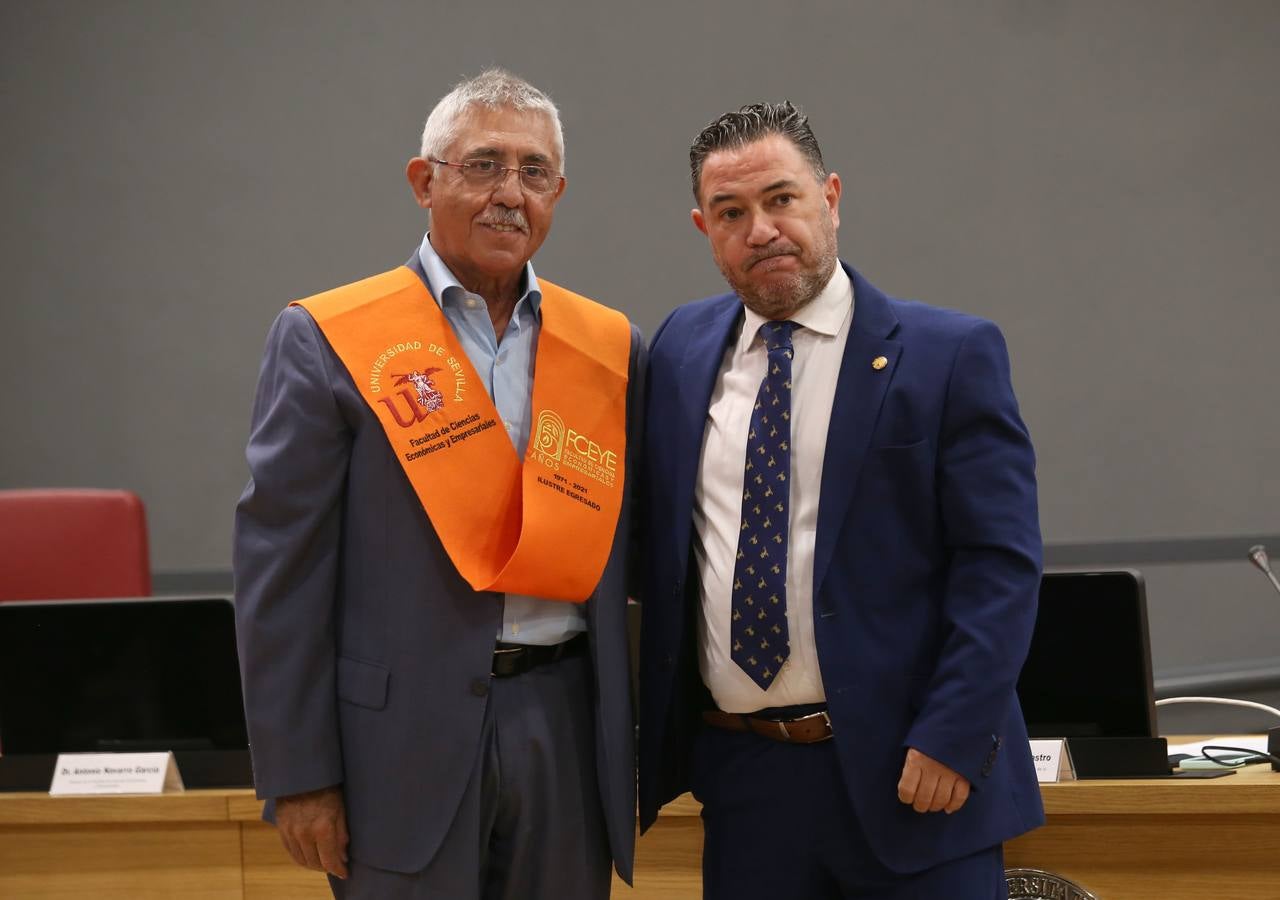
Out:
{"x": 762, "y": 232}
{"x": 508, "y": 191}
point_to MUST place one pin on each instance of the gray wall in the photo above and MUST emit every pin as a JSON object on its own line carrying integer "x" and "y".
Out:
{"x": 1097, "y": 177}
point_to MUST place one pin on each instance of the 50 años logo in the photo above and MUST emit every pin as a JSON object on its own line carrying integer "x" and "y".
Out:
{"x": 555, "y": 444}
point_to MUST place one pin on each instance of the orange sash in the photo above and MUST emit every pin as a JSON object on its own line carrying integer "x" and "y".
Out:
{"x": 544, "y": 528}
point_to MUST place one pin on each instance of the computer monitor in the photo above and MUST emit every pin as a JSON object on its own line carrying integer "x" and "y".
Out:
{"x": 1088, "y": 673}
{"x": 129, "y": 675}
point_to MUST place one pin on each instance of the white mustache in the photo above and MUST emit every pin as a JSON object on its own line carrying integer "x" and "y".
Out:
{"x": 502, "y": 215}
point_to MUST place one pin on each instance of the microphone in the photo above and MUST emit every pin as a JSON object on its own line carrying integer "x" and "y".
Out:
{"x": 1258, "y": 556}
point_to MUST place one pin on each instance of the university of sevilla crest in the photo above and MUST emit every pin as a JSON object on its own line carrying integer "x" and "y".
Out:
{"x": 428, "y": 396}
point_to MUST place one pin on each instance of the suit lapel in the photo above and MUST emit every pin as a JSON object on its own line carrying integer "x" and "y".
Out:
{"x": 860, "y": 391}
{"x": 699, "y": 366}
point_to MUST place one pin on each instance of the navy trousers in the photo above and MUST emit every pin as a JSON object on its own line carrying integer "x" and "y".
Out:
{"x": 778, "y": 825}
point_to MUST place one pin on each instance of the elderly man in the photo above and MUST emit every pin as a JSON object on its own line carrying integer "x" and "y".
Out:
{"x": 431, "y": 619}
{"x": 845, "y": 559}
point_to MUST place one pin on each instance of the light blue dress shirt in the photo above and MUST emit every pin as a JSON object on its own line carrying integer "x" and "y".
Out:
{"x": 506, "y": 369}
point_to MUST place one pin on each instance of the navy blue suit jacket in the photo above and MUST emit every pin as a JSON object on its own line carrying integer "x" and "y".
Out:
{"x": 926, "y": 569}
{"x": 365, "y": 655}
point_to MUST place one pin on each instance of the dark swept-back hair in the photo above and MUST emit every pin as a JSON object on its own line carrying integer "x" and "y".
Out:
{"x": 749, "y": 124}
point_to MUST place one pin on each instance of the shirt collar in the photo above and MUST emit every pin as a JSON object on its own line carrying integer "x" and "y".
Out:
{"x": 445, "y": 285}
{"x": 823, "y": 314}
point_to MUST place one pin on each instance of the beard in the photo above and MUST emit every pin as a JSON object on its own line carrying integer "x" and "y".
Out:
{"x": 780, "y": 298}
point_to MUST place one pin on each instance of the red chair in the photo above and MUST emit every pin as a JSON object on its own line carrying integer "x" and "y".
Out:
{"x": 60, "y": 543}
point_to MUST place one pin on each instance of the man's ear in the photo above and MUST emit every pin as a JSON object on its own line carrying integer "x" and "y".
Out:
{"x": 699, "y": 222}
{"x": 419, "y": 172}
{"x": 831, "y": 192}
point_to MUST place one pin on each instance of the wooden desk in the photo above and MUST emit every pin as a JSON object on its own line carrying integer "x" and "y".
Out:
{"x": 1166, "y": 839}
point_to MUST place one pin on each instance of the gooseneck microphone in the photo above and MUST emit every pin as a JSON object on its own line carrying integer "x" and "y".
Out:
{"x": 1258, "y": 556}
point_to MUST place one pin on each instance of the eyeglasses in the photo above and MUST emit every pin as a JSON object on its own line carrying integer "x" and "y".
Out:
{"x": 490, "y": 173}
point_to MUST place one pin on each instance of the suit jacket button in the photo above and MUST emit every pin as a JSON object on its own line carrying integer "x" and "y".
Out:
{"x": 480, "y": 687}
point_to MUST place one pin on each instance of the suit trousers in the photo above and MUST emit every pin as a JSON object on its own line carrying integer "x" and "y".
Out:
{"x": 778, "y": 824}
{"x": 530, "y": 826}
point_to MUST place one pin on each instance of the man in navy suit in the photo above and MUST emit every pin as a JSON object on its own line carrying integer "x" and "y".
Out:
{"x": 843, "y": 557}
{"x": 425, "y": 722}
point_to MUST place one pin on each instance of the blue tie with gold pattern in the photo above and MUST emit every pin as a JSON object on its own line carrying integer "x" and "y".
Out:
{"x": 759, "y": 605}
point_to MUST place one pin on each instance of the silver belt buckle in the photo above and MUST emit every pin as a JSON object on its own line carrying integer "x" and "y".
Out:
{"x": 822, "y": 713}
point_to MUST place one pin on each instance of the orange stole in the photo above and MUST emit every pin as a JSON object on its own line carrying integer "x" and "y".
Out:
{"x": 543, "y": 528}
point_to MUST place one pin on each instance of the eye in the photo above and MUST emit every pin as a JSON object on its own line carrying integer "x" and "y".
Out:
{"x": 783, "y": 199}
{"x": 483, "y": 166}
{"x": 537, "y": 172}
{"x": 730, "y": 214}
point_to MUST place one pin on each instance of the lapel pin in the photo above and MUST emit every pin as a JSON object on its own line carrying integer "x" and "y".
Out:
{"x": 879, "y": 363}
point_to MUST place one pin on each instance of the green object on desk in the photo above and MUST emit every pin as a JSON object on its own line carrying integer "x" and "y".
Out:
{"x": 1223, "y": 761}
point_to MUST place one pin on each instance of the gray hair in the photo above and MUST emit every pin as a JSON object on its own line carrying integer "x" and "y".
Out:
{"x": 493, "y": 89}
{"x": 752, "y": 123}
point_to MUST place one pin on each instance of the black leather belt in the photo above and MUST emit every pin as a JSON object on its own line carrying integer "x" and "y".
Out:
{"x": 516, "y": 659}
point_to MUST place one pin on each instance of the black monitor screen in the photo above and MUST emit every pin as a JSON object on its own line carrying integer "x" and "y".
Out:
{"x": 1088, "y": 673}
{"x": 119, "y": 675}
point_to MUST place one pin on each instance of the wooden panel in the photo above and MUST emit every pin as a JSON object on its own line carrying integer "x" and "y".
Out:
{"x": 1143, "y": 839}
{"x": 668, "y": 861}
{"x": 1169, "y": 857}
{"x": 243, "y": 806}
{"x": 270, "y": 873}
{"x": 120, "y": 862}
{"x": 1255, "y": 789}
{"x": 40, "y": 808}
{"x": 684, "y": 805}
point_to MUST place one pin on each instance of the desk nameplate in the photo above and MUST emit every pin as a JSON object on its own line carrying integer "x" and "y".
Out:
{"x": 77, "y": 774}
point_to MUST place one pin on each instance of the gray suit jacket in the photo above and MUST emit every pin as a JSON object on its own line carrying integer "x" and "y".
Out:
{"x": 365, "y": 655}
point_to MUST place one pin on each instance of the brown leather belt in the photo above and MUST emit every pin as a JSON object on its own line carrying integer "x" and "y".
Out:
{"x": 803, "y": 730}
{"x": 516, "y": 659}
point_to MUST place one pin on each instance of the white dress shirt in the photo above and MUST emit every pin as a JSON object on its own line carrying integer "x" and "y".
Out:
{"x": 717, "y": 513}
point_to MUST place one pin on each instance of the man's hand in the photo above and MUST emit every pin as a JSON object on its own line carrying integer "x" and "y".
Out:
{"x": 313, "y": 828}
{"x": 929, "y": 786}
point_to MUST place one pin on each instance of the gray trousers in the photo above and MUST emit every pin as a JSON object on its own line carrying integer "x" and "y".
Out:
{"x": 530, "y": 826}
